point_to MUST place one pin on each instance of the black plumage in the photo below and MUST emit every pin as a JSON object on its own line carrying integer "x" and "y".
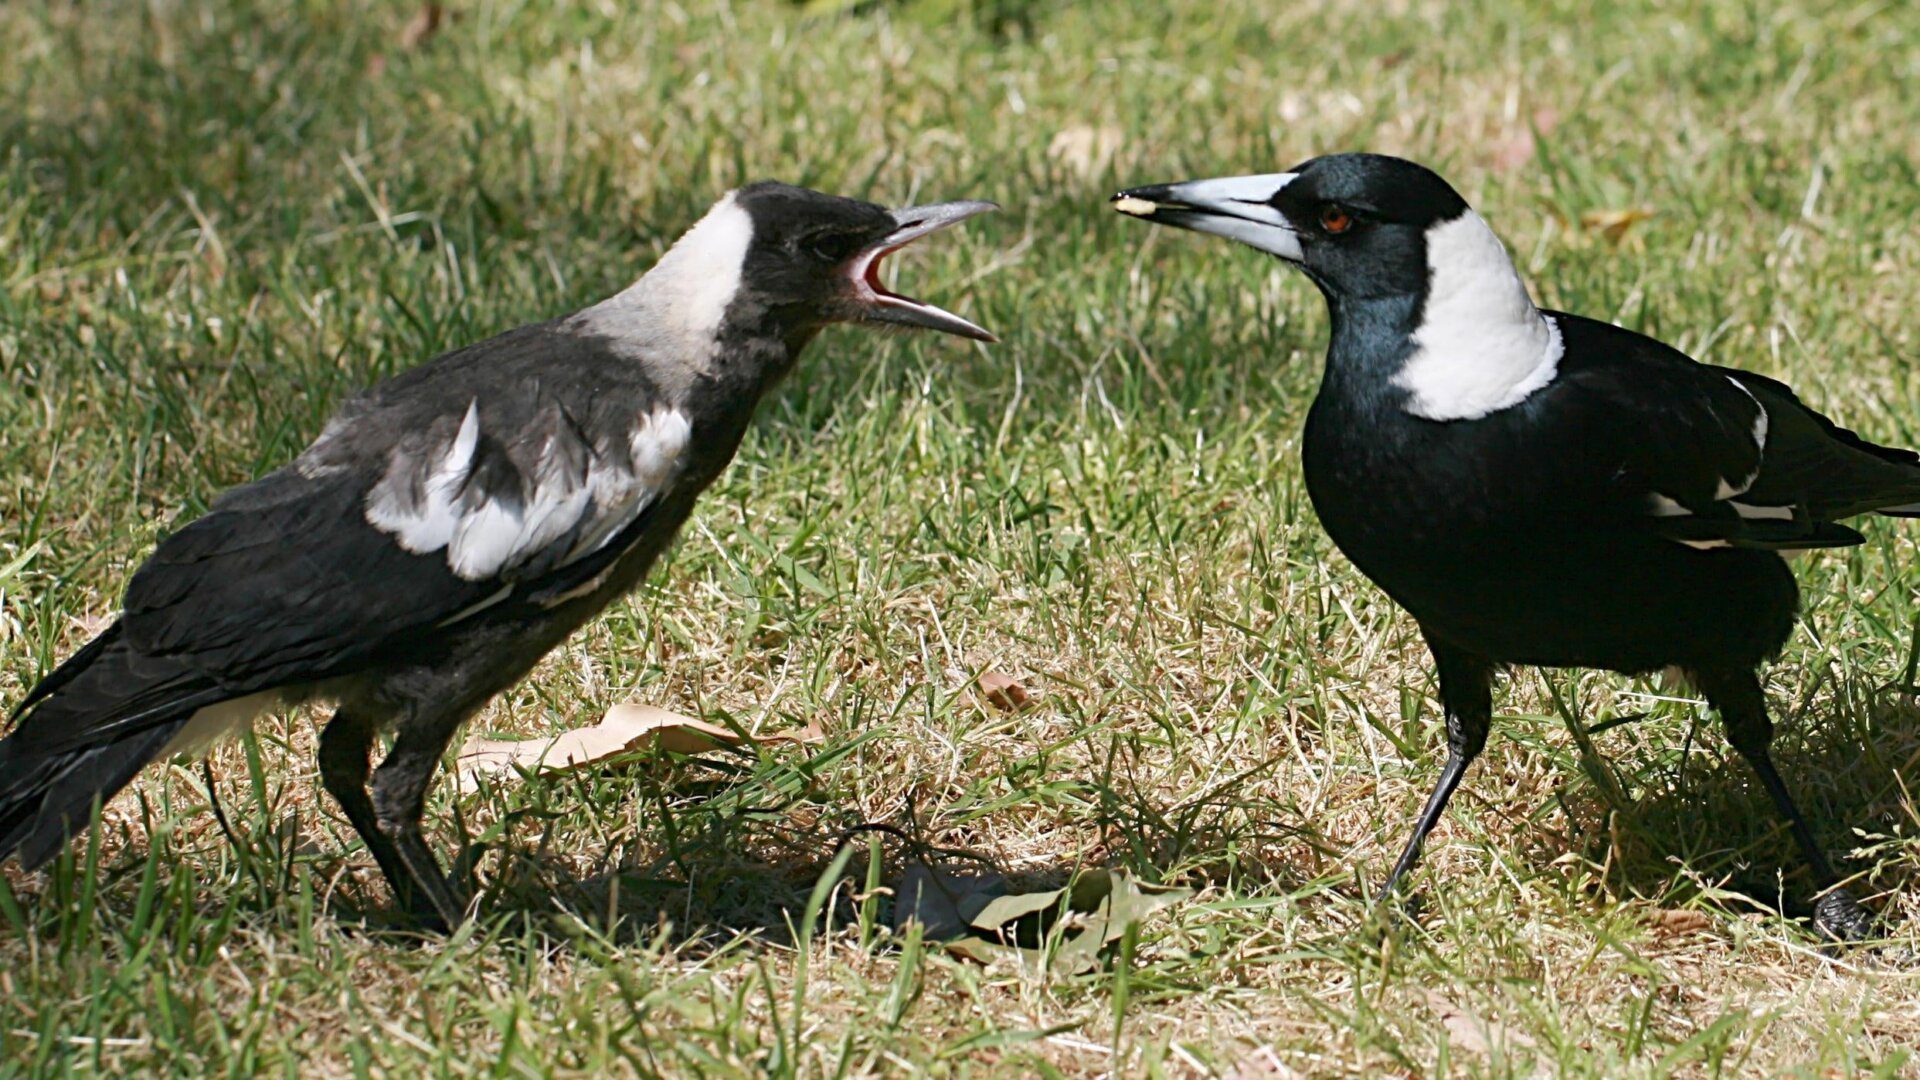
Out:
{"x": 452, "y": 525}
{"x": 1539, "y": 488}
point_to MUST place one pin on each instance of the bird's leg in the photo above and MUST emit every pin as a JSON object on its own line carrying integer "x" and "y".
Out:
{"x": 345, "y": 745}
{"x": 1466, "y": 693}
{"x": 400, "y": 798}
{"x": 1742, "y": 705}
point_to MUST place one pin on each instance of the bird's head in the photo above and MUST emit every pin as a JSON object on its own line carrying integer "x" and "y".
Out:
{"x": 817, "y": 257}
{"x": 1360, "y": 225}
{"x": 742, "y": 292}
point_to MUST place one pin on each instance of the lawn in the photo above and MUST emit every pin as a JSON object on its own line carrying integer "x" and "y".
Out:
{"x": 219, "y": 219}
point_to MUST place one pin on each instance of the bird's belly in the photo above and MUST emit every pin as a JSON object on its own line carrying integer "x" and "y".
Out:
{"x": 215, "y": 724}
{"x": 1566, "y": 597}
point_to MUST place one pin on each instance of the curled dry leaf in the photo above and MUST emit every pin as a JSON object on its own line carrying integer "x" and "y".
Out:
{"x": 627, "y": 728}
{"x": 1003, "y": 691}
{"x": 1674, "y": 922}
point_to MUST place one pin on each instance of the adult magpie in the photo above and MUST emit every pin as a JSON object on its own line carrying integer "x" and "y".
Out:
{"x": 454, "y": 523}
{"x": 1536, "y": 487}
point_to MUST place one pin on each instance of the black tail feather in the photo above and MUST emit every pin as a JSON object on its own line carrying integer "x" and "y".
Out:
{"x": 55, "y": 798}
{"x": 83, "y": 733}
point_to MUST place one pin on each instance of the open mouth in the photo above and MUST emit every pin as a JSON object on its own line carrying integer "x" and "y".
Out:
{"x": 881, "y": 304}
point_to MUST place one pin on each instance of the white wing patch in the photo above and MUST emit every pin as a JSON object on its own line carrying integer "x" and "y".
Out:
{"x": 1728, "y": 490}
{"x": 1662, "y": 506}
{"x": 1482, "y": 345}
{"x": 435, "y": 508}
{"x": 425, "y": 523}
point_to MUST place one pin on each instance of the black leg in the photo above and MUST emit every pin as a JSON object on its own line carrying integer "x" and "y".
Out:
{"x": 346, "y": 744}
{"x": 1466, "y": 693}
{"x": 1742, "y": 706}
{"x": 400, "y": 798}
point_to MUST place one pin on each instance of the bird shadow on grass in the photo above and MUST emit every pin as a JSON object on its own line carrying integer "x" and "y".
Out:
{"x": 1669, "y": 822}
{"x": 711, "y": 881}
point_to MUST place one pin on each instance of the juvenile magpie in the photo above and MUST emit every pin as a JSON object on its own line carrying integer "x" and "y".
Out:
{"x": 1536, "y": 487}
{"x": 451, "y": 525}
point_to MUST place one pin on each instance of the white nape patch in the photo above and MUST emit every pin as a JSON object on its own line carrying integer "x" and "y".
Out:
{"x": 485, "y": 537}
{"x": 1482, "y": 345}
{"x": 675, "y": 309}
{"x": 214, "y": 724}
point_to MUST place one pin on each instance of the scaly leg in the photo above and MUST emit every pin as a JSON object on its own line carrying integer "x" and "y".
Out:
{"x": 1466, "y": 693}
{"x": 1737, "y": 697}
{"x": 400, "y": 797}
{"x": 345, "y": 745}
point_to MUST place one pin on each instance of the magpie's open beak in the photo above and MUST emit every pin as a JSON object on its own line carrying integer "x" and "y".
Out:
{"x": 1236, "y": 207}
{"x": 879, "y": 304}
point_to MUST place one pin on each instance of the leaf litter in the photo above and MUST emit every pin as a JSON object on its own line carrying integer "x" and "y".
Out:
{"x": 627, "y": 729}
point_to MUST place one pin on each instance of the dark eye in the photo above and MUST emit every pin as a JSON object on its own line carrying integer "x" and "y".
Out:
{"x": 833, "y": 247}
{"x": 1335, "y": 219}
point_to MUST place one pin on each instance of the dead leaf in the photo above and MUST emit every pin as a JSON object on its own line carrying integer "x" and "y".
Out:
{"x": 1613, "y": 224}
{"x": 1003, "y": 691}
{"x": 1675, "y": 922}
{"x": 942, "y": 903}
{"x": 627, "y": 728}
{"x": 425, "y": 23}
{"x": 1262, "y": 1064}
{"x": 981, "y": 920}
{"x": 1472, "y": 1033}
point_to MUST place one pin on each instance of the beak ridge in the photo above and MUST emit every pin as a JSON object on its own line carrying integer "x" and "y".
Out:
{"x": 1236, "y": 207}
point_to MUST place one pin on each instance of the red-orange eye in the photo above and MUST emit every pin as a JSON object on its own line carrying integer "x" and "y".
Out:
{"x": 1335, "y": 220}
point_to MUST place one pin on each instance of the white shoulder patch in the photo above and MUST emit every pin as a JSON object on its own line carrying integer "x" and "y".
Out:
{"x": 1481, "y": 345}
{"x": 432, "y": 508}
{"x": 675, "y": 309}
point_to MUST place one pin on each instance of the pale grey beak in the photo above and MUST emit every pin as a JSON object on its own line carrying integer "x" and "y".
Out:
{"x": 880, "y": 304}
{"x": 1236, "y": 207}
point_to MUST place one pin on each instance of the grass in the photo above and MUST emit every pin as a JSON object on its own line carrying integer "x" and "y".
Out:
{"x": 216, "y": 220}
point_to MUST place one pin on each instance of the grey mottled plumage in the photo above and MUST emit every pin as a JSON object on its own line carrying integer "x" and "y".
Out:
{"x": 452, "y": 525}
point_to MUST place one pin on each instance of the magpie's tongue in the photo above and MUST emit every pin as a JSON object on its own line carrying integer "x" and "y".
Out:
{"x": 881, "y": 304}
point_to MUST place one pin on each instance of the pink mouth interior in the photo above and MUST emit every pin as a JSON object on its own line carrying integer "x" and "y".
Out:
{"x": 870, "y": 276}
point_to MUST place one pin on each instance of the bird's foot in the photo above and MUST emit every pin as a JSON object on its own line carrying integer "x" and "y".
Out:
{"x": 1841, "y": 919}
